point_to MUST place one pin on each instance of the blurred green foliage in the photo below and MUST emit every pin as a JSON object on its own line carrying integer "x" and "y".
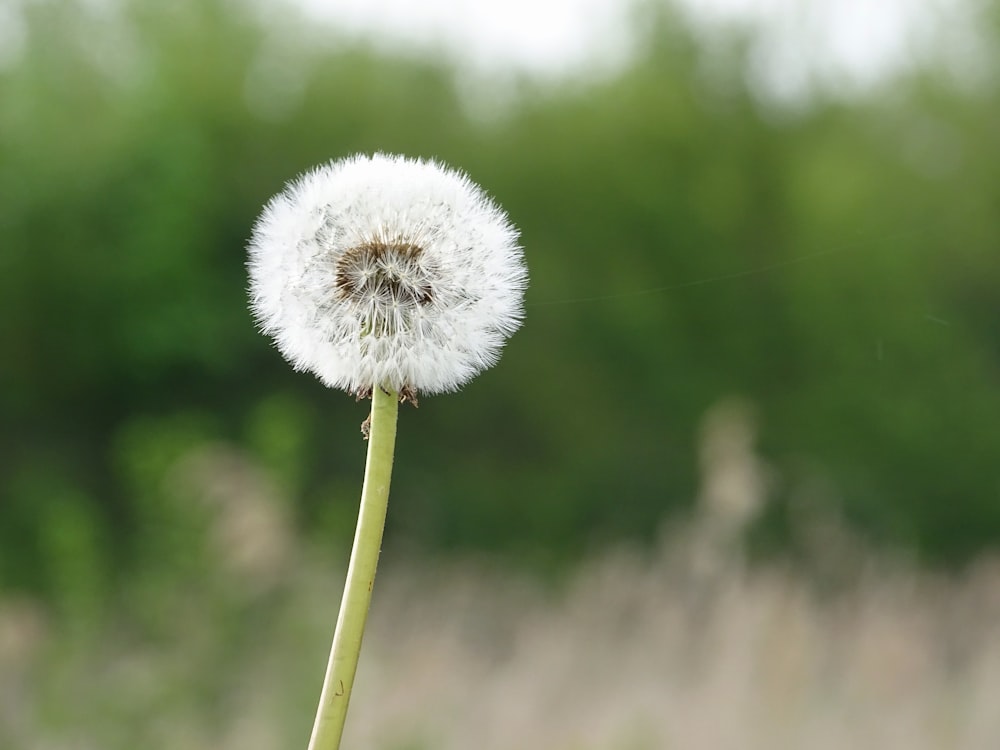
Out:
{"x": 837, "y": 264}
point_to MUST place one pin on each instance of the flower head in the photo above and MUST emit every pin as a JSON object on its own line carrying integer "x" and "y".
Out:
{"x": 385, "y": 271}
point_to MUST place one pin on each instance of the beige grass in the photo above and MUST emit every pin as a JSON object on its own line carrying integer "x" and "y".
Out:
{"x": 640, "y": 654}
{"x": 634, "y": 652}
{"x": 682, "y": 647}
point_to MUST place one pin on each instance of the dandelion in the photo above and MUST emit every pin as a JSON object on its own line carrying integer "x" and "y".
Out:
{"x": 389, "y": 277}
{"x": 387, "y": 271}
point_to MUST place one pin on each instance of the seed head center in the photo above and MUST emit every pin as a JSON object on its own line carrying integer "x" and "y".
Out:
{"x": 388, "y": 280}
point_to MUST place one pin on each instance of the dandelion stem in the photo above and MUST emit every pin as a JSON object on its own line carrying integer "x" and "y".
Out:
{"x": 343, "y": 664}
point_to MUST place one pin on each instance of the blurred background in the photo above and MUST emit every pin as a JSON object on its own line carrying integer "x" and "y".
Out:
{"x": 741, "y": 461}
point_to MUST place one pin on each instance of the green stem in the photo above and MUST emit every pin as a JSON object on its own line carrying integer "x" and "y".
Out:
{"x": 343, "y": 664}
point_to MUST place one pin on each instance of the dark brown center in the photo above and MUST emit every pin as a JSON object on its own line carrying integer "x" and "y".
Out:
{"x": 389, "y": 280}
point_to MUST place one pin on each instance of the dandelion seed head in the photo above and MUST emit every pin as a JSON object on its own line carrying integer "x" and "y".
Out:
{"x": 387, "y": 271}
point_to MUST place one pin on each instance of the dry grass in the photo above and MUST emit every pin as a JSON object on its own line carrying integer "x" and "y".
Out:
{"x": 635, "y": 652}
{"x": 646, "y": 654}
{"x": 686, "y": 647}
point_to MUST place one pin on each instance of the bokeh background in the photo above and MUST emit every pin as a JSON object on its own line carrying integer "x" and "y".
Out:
{"x": 735, "y": 483}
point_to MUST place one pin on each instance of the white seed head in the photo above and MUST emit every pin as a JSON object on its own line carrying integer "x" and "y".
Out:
{"x": 384, "y": 271}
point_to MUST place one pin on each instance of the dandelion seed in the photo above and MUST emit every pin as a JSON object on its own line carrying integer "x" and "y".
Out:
{"x": 387, "y": 271}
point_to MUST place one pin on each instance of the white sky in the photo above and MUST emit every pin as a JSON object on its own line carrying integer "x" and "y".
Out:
{"x": 844, "y": 42}
{"x": 540, "y": 35}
